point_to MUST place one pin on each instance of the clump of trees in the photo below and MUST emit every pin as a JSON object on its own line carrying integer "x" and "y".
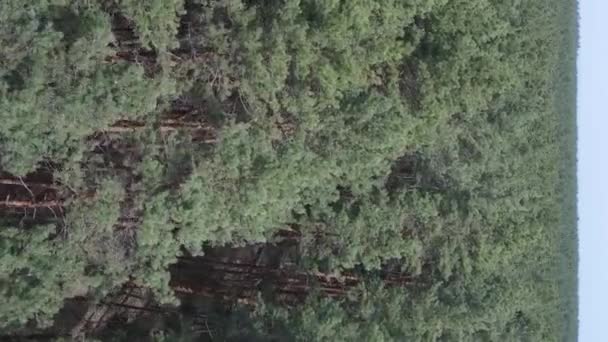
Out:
{"x": 428, "y": 138}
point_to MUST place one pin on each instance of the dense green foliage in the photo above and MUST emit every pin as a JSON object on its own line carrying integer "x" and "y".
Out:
{"x": 56, "y": 88}
{"x": 42, "y": 266}
{"x": 379, "y": 315}
{"x": 433, "y": 135}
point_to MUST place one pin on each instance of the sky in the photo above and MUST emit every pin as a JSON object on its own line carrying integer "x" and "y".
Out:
{"x": 593, "y": 170}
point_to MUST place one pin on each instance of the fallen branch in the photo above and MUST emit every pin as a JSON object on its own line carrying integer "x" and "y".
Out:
{"x": 29, "y": 204}
{"x": 21, "y": 182}
{"x": 200, "y": 132}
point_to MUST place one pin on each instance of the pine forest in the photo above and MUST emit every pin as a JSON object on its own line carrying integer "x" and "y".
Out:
{"x": 288, "y": 170}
